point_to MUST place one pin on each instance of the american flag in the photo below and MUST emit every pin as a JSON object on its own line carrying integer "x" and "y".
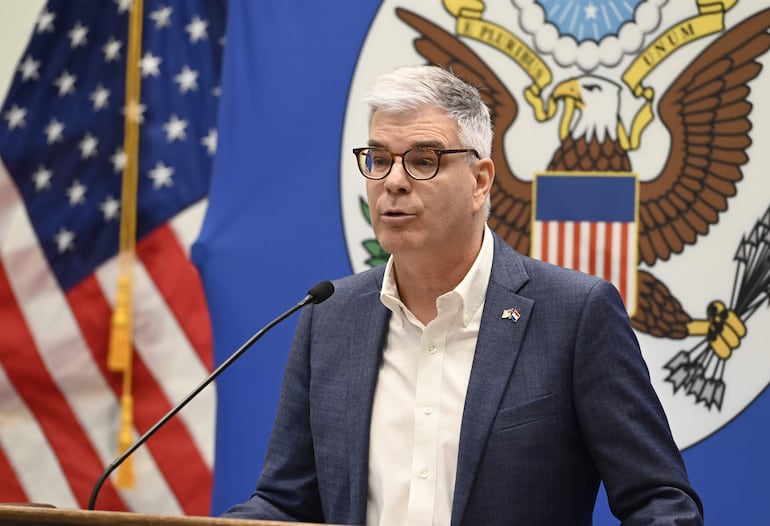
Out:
{"x": 588, "y": 222}
{"x": 61, "y": 147}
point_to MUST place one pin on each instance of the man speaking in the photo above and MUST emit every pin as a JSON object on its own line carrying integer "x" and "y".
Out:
{"x": 462, "y": 383}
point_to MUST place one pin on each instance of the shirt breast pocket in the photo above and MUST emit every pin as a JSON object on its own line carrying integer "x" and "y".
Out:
{"x": 527, "y": 412}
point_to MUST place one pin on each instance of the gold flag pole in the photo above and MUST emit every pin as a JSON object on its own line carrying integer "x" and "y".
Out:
{"x": 119, "y": 358}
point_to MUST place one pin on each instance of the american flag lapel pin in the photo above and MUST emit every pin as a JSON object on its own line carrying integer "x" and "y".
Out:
{"x": 511, "y": 314}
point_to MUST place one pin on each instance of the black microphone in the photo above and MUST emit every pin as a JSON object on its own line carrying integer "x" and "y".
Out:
{"x": 320, "y": 292}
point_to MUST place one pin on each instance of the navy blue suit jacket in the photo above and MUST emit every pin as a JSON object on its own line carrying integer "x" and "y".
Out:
{"x": 556, "y": 402}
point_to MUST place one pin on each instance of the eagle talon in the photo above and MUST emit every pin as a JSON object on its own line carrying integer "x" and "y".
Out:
{"x": 723, "y": 329}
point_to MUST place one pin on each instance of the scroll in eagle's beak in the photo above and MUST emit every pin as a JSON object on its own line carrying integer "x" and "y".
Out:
{"x": 569, "y": 89}
{"x": 571, "y": 93}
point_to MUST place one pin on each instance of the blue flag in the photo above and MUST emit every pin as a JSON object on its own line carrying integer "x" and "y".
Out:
{"x": 273, "y": 228}
{"x": 281, "y": 202}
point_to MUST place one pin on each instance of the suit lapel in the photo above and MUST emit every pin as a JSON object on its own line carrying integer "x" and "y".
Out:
{"x": 367, "y": 338}
{"x": 497, "y": 347}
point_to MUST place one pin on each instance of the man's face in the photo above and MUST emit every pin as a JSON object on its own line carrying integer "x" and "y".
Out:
{"x": 433, "y": 218}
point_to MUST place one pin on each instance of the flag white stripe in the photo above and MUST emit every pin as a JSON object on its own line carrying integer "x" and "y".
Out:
{"x": 601, "y": 235}
{"x": 553, "y": 238}
{"x": 585, "y": 246}
{"x": 569, "y": 242}
{"x": 614, "y": 273}
{"x": 631, "y": 245}
{"x": 187, "y": 224}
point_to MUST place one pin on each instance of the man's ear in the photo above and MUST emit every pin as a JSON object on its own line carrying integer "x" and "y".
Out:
{"x": 485, "y": 175}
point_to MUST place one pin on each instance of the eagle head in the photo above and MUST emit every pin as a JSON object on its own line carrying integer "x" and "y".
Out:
{"x": 597, "y": 101}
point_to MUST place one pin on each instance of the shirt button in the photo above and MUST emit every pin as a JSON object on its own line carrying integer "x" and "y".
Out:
{"x": 427, "y": 410}
{"x": 424, "y": 473}
{"x": 432, "y": 349}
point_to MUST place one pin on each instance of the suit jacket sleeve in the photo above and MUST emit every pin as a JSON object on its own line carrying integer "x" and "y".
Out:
{"x": 622, "y": 422}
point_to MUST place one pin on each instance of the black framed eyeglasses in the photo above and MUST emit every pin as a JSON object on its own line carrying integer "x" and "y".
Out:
{"x": 420, "y": 163}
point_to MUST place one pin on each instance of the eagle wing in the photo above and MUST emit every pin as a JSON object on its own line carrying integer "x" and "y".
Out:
{"x": 707, "y": 113}
{"x": 511, "y": 197}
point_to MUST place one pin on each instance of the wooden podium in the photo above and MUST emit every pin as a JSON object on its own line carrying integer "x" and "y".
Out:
{"x": 49, "y": 516}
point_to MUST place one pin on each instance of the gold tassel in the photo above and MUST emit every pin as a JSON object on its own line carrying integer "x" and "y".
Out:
{"x": 120, "y": 330}
{"x": 120, "y": 351}
{"x": 126, "y": 477}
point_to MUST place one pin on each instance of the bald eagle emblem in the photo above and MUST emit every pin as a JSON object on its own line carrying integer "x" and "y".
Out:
{"x": 707, "y": 115}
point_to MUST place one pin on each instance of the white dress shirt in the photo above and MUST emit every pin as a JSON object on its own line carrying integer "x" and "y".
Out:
{"x": 419, "y": 400}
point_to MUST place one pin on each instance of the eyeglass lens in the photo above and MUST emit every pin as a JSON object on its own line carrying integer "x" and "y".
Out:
{"x": 377, "y": 162}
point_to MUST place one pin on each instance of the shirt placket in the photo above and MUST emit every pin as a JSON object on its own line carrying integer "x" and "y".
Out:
{"x": 425, "y": 470}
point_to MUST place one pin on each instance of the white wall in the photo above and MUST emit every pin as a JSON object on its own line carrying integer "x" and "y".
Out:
{"x": 17, "y": 19}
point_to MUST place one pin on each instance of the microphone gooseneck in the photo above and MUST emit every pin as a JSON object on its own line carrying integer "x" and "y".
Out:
{"x": 320, "y": 292}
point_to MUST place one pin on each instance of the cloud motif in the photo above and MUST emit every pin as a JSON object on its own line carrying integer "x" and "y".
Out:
{"x": 589, "y": 33}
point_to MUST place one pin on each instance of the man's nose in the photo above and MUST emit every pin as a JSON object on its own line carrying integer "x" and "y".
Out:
{"x": 398, "y": 179}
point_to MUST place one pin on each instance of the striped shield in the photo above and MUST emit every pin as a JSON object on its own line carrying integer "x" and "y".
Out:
{"x": 588, "y": 222}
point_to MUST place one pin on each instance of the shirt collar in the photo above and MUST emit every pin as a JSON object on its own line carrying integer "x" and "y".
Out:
{"x": 471, "y": 290}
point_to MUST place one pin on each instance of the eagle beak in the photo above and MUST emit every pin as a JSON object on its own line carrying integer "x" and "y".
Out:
{"x": 569, "y": 89}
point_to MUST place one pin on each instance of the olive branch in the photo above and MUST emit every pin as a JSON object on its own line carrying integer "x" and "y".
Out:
{"x": 377, "y": 256}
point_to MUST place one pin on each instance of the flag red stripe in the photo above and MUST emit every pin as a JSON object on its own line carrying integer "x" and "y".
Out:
{"x": 10, "y": 489}
{"x": 544, "y": 242}
{"x": 178, "y": 282}
{"x": 576, "y": 245}
{"x": 592, "y": 249}
{"x": 623, "y": 278}
{"x": 172, "y": 447}
{"x": 28, "y": 374}
{"x": 561, "y": 243}
{"x": 608, "y": 252}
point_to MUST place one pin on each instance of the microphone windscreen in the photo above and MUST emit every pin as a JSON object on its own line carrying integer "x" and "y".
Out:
{"x": 321, "y": 292}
